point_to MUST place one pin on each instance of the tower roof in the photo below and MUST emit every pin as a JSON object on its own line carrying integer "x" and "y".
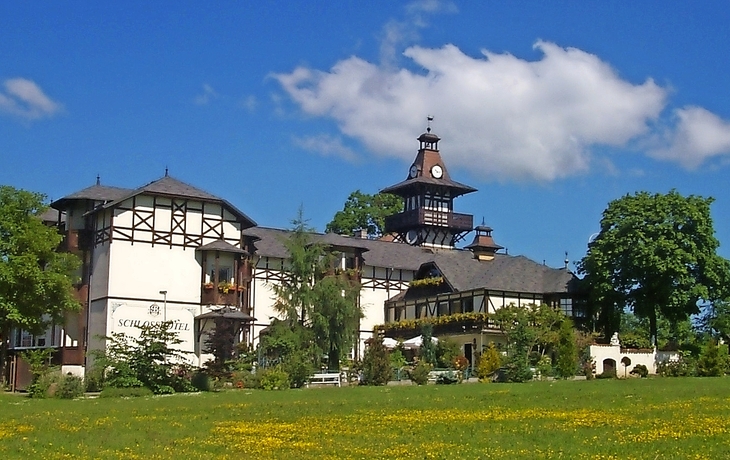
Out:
{"x": 422, "y": 172}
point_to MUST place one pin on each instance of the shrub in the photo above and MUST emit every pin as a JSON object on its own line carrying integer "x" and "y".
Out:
{"x": 606, "y": 375}
{"x": 45, "y": 385}
{"x": 713, "y": 360}
{"x": 489, "y": 361}
{"x": 298, "y": 367}
{"x": 419, "y": 373}
{"x": 447, "y": 378}
{"x": 201, "y": 381}
{"x": 640, "y": 370}
{"x": 376, "y": 364}
{"x": 274, "y": 379}
{"x": 684, "y": 367}
{"x": 129, "y": 392}
{"x": 545, "y": 367}
{"x": 69, "y": 387}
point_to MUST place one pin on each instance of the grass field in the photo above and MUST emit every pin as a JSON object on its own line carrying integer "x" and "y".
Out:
{"x": 654, "y": 418}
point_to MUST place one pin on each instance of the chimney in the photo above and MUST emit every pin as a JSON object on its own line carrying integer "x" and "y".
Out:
{"x": 363, "y": 234}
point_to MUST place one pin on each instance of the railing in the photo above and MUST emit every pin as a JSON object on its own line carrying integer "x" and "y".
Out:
{"x": 418, "y": 217}
{"x": 214, "y": 297}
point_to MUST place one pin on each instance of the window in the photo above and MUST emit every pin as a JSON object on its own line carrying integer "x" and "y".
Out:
{"x": 566, "y": 306}
{"x": 443, "y": 308}
{"x": 224, "y": 274}
{"x": 467, "y": 304}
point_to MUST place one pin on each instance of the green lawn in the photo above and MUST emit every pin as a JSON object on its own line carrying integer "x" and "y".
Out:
{"x": 654, "y": 418}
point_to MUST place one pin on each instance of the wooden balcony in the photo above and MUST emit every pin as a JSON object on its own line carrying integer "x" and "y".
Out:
{"x": 215, "y": 297}
{"x": 424, "y": 217}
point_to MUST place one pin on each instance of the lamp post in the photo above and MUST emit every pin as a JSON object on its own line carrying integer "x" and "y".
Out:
{"x": 164, "y": 306}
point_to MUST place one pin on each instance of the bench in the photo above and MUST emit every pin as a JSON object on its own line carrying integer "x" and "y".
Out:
{"x": 329, "y": 378}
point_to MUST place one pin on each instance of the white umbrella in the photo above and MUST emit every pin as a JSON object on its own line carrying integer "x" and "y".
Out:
{"x": 390, "y": 343}
{"x": 416, "y": 342}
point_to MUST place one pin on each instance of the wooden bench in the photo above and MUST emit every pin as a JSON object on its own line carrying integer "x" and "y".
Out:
{"x": 329, "y": 378}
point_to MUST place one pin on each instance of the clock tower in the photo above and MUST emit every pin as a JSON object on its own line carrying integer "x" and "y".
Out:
{"x": 429, "y": 218}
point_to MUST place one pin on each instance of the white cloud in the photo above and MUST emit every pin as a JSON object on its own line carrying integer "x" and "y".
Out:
{"x": 326, "y": 145}
{"x": 249, "y": 103}
{"x": 500, "y": 116}
{"x": 207, "y": 95}
{"x": 25, "y": 99}
{"x": 698, "y": 135}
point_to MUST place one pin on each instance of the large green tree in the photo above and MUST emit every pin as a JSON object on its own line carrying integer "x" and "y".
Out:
{"x": 315, "y": 296}
{"x": 35, "y": 279}
{"x": 365, "y": 212}
{"x": 657, "y": 255}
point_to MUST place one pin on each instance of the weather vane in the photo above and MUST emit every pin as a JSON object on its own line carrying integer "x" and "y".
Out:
{"x": 430, "y": 119}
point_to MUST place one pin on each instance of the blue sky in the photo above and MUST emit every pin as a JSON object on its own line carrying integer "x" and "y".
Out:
{"x": 550, "y": 109}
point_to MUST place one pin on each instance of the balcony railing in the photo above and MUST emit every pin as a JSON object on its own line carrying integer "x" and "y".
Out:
{"x": 215, "y": 297}
{"x": 420, "y": 217}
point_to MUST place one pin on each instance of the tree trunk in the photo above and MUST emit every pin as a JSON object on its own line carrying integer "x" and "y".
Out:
{"x": 652, "y": 328}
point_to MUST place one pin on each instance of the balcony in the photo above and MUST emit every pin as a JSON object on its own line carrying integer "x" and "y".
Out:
{"x": 212, "y": 296}
{"x": 421, "y": 217}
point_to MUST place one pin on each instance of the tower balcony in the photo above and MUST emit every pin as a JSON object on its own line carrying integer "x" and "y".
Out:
{"x": 220, "y": 296}
{"x": 421, "y": 217}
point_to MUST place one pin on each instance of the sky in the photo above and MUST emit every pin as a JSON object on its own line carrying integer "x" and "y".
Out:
{"x": 550, "y": 109}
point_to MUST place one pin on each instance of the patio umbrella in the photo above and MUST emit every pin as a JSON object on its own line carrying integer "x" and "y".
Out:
{"x": 390, "y": 343}
{"x": 416, "y": 342}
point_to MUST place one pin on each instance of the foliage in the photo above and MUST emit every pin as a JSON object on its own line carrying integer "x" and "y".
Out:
{"x": 685, "y": 366}
{"x": 365, "y": 212}
{"x": 220, "y": 343}
{"x": 713, "y": 361}
{"x": 545, "y": 367}
{"x": 45, "y": 385}
{"x": 274, "y": 378}
{"x": 427, "y": 351}
{"x": 430, "y": 281}
{"x": 640, "y": 370}
{"x": 396, "y": 358}
{"x": 529, "y": 329}
{"x": 655, "y": 254}
{"x": 39, "y": 362}
{"x": 567, "y": 362}
{"x": 716, "y": 319}
{"x": 375, "y": 363}
{"x": 298, "y": 367}
{"x": 447, "y": 350}
{"x": 413, "y": 326}
{"x": 149, "y": 360}
{"x": 448, "y": 378}
{"x": 135, "y": 392}
{"x": 316, "y": 298}
{"x": 70, "y": 387}
{"x": 35, "y": 279}
{"x": 420, "y": 372}
{"x": 201, "y": 381}
{"x": 489, "y": 361}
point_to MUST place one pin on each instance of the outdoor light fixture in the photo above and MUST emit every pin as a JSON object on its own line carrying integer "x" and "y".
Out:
{"x": 164, "y": 306}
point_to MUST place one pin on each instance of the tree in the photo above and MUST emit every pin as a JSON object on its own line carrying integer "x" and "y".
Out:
{"x": 376, "y": 363}
{"x": 317, "y": 297}
{"x": 35, "y": 280}
{"x": 655, "y": 254}
{"x": 567, "y": 362}
{"x": 365, "y": 212}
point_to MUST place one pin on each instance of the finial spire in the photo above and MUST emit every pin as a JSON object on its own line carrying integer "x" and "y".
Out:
{"x": 566, "y": 259}
{"x": 430, "y": 119}
{"x": 166, "y": 172}
{"x": 98, "y": 180}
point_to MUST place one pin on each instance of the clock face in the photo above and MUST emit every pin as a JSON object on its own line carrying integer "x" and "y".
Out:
{"x": 412, "y": 237}
{"x": 436, "y": 171}
{"x": 413, "y": 171}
